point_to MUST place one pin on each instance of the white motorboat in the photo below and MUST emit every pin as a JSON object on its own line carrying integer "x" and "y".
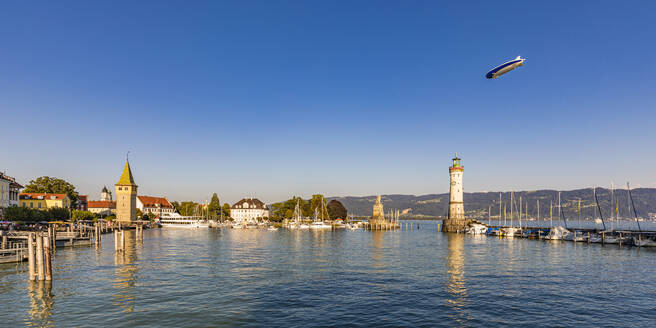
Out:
{"x": 319, "y": 225}
{"x": 175, "y": 220}
{"x": 575, "y": 236}
{"x": 272, "y": 228}
{"x": 511, "y": 232}
{"x": 644, "y": 241}
{"x": 557, "y": 233}
{"x": 303, "y": 226}
{"x": 476, "y": 229}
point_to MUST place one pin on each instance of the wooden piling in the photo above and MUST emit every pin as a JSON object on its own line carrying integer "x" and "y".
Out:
{"x": 122, "y": 240}
{"x": 603, "y": 238}
{"x": 47, "y": 258}
{"x": 39, "y": 258}
{"x": 116, "y": 240}
{"x": 30, "y": 257}
{"x": 54, "y": 239}
{"x": 4, "y": 241}
{"x": 620, "y": 239}
{"x": 588, "y": 238}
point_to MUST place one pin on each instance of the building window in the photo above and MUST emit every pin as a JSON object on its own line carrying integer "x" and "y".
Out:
{"x": 39, "y": 205}
{"x": 31, "y": 205}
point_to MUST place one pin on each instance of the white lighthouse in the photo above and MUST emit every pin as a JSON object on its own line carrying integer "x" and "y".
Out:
{"x": 456, "y": 206}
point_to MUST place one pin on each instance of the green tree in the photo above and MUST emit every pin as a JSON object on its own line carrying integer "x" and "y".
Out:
{"x": 215, "y": 205}
{"x": 53, "y": 185}
{"x": 139, "y": 213}
{"x": 57, "y": 214}
{"x": 189, "y": 208}
{"x": 226, "y": 210}
{"x": 176, "y": 206}
{"x": 336, "y": 210}
{"x": 82, "y": 215}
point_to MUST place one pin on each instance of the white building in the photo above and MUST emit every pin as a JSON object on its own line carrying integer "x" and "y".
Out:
{"x": 154, "y": 205}
{"x": 248, "y": 209}
{"x": 9, "y": 190}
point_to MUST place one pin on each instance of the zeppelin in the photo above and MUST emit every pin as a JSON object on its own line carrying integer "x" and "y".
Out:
{"x": 505, "y": 68}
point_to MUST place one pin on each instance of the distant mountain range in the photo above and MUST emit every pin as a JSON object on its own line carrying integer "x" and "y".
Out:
{"x": 477, "y": 204}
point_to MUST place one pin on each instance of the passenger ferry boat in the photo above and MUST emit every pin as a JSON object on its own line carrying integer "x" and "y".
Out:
{"x": 175, "y": 220}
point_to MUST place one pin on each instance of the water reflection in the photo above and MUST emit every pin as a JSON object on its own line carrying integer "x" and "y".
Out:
{"x": 455, "y": 284}
{"x": 41, "y": 303}
{"x": 378, "y": 250}
{"x": 125, "y": 281}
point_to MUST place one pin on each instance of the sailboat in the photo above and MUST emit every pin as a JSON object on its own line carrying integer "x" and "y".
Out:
{"x": 511, "y": 231}
{"x": 319, "y": 220}
{"x": 559, "y": 232}
{"x": 640, "y": 241}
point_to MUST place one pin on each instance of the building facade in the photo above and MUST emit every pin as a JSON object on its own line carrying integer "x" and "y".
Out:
{"x": 248, "y": 209}
{"x": 9, "y": 190}
{"x": 44, "y": 201}
{"x": 105, "y": 194}
{"x": 126, "y": 196}
{"x": 154, "y": 205}
{"x": 83, "y": 202}
{"x": 102, "y": 207}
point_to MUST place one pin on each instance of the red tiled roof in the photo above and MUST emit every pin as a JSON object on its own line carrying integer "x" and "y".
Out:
{"x": 149, "y": 201}
{"x": 36, "y": 195}
{"x": 101, "y": 204}
{"x": 83, "y": 198}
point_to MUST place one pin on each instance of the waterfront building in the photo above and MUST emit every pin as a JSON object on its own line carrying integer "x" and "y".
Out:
{"x": 44, "y": 201}
{"x": 105, "y": 194}
{"x": 102, "y": 207}
{"x": 154, "y": 205}
{"x": 456, "y": 220}
{"x": 126, "y": 196}
{"x": 82, "y": 202}
{"x": 9, "y": 190}
{"x": 248, "y": 209}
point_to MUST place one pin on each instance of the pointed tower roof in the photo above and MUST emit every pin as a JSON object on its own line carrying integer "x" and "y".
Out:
{"x": 104, "y": 189}
{"x": 126, "y": 177}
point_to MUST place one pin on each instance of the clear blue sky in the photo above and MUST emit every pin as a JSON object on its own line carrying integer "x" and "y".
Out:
{"x": 279, "y": 98}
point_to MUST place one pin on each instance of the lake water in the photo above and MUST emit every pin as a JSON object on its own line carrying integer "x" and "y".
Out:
{"x": 258, "y": 278}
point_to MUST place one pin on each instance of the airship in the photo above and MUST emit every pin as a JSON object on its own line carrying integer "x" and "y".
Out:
{"x": 505, "y": 68}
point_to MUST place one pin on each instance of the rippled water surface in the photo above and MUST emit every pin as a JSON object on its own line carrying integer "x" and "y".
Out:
{"x": 204, "y": 278}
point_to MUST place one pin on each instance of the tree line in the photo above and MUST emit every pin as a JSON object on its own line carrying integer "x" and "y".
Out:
{"x": 285, "y": 210}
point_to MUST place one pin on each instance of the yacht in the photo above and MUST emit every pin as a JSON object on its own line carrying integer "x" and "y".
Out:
{"x": 320, "y": 225}
{"x": 175, "y": 220}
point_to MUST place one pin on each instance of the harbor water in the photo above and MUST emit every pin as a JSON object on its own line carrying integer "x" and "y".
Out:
{"x": 259, "y": 278}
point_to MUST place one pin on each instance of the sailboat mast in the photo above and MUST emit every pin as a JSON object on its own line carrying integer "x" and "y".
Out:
{"x": 551, "y": 213}
{"x": 579, "y": 213}
{"x": 562, "y": 214}
{"x": 635, "y": 213}
{"x": 499, "y": 206}
{"x": 601, "y": 215}
{"x": 512, "y": 202}
{"x": 538, "y": 211}
{"x": 520, "y": 212}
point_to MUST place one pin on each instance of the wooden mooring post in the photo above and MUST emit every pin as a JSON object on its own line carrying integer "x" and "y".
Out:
{"x": 31, "y": 259}
{"x": 47, "y": 258}
{"x": 39, "y": 258}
